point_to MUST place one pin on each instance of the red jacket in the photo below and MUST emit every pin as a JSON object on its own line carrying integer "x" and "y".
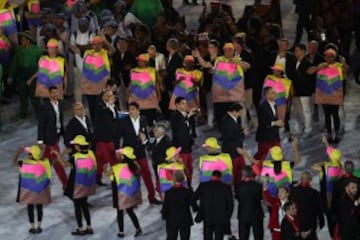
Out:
{"x": 275, "y": 204}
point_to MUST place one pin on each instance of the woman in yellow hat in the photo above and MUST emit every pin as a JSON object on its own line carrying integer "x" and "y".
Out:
{"x": 125, "y": 177}
{"x": 34, "y": 184}
{"x": 82, "y": 181}
{"x": 165, "y": 170}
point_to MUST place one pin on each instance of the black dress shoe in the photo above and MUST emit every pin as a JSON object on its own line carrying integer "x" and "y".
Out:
{"x": 100, "y": 183}
{"x": 78, "y": 232}
{"x": 138, "y": 233}
{"x": 121, "y": 235}
{"x": 89, "y": 231}
{"x": 39, "y": 230}
{"x": 32, "y": 230}
{"x": 155, "y": 201}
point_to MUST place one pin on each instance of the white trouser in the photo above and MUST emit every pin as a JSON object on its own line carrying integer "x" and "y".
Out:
{"x": 302, "y": 113}
{"x": 210, "y": 109}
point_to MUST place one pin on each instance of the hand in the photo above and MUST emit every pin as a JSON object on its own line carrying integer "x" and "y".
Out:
{"x": 195, "y": 53}
{"x": 142, "y": 136}
{"x": 342, "y": 60}
{"x": 246, "y": 131}
{"x": 28, "y": 82}
{"x": 241, "y": 151}
{"x": 323, "y": 65}
{"x": 305, "y": 234}
{"x": 278, "y": 123}
{"x": 193, "y": 112}
{"x": 53, "y": 151}
{"x": 42, "y": 146}
{"x": 295, "y": 142}
{"x": 324, "y": 140}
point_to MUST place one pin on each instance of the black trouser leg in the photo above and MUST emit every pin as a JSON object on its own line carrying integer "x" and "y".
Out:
{"x": 120, "y": 220}
{"x": 91, "y": 100}
{"x": 208, "y": 231}
{"x": 78, "y": 215}
{"x": 219, "y": 231}
{"x": 331, "y": 111}
{"x": 133, "y": 217}
{"x": 171, "y": 232}
{"x": 39, "y": 208}
{"x": 244, "y": 231}
{"x": 303, "y": 22}
{"x": 185, "y": 233}
{"x": 258, "y": 229}
{"x": 86, "y": 212}
{"x": 30, "y": 210}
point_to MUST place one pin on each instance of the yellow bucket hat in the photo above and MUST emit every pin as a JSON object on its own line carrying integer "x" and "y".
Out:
{"x": 276, "y": 153}
{"x": 212, "y": 143}
{"x": 79, "y": 140}
{"x": 278, "y": 67}
{"x": 228, "y": 46}
{"x": 334, "y": 154}
{"x": 127, "y": 151}
{"x": 52, "y": 43}
{"x": 172, "y": 152}
{"x": 143, "y": 57}
{"x": 34, "y": 150}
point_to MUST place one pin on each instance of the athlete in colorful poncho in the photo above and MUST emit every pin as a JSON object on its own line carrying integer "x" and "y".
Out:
{"x": 282, "y": 88}
{"x": 125, "y": 178}
{"x": 187, "y": 85}
{"x": 82, "y": 181}
{"x": 34, "y": 184}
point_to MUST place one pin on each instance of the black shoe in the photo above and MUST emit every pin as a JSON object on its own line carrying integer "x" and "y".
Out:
{"x": 90, "y": 205}
{"x": 121, "y": 235}
{"x": 138, "y": 233}
{"x": 78, "y": 232}
{"x": 89, "y": 231}
{"x": 39, "y": 230}
{"x": 32, "y": 230}
{"x": 232, "y": 238}
{"x": 155, "y": 201}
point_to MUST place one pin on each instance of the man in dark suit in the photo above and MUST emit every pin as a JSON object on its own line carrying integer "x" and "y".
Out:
{"x": 250, "y": 212}
{"x": 158, "y": 147}
{"x": 174, "y": 62}
{"x": 347, "y": 211}
{"x": 216, "y": 206}
{"x": 176, "y": 209}
{"x": 50, "y": 128}
{"x": 181, "y": 133}
{"x": 232, "y": 136}
{"x": 104, "y": 132}
{"x": 303, "y": 9}
{"x": 130, "y": 129}
{"x": 79, "y": 124}
{"x": 290, "y": 227}
{"x": 308, "y": 202}
{"x": 303, "y": 88}
{"x": 267, "y": 134}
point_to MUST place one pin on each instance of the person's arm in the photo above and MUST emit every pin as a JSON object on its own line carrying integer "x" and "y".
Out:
{"x": 230, "y": 202}
{"x": 165, "y": 207}
{"x": 314, "y": 69}
{"x": 297, "y": 155}
{"x": 247, "y": 156}
{"x": 60, "y": 159}
{"x": 195, "y": 198}
{"x": 201, "y": 60}
{"x": 17, "y": 155}
{"x": 318, "y": 166}
{"x": 320, "y": 212}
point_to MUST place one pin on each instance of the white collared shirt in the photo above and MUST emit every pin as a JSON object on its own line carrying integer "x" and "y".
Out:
{"x": 136, "y": 125}
{"x": 235, "y": 119}
{"x": 57, "y": 113}
{"x": 272, "y": 105}
{"x": 281, "y": 211}
{"x": 112, "y": 108}
{"x": 82, "y": 121}
{"x": 157, "y": 140}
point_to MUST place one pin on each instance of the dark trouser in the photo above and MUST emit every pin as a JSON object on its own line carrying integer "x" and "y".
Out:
{"x": 173, "y": 232}
{"x": 303, "y": 22}
{"x": 220, "y": 110}
{"x": 31, "y": 212}
{"x": 132, "y": 215}
{"x": 151, "y": 116}
{"x": 164, "y": 105}
{"x": 356, "y": 29}
{"x": 257, "y": 227}
{"x": 81, "y": 207}
{"x": 331, "y": 222}
{"x": 27, "y": 93}
{"x": 91, "y": 101}
{"x": 211, "y": 228}
{"x": 331, "y": 111}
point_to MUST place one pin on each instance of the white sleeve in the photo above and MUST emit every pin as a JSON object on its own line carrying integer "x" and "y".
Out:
{"x": 130, "y": 19}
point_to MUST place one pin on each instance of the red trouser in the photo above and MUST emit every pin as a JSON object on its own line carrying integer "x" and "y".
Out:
{"x": 275, "y": 235}
{"x": 146, "y": 176}
{"x": 187, "y": 160}
{"x": 263, "y": 149}
{"x": 238, "y": 165}
{"x": 105, "y": 153}
{"x": 59, "y": 169}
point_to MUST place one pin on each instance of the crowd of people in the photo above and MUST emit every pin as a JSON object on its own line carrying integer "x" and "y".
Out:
{"x": 142, "y": 74}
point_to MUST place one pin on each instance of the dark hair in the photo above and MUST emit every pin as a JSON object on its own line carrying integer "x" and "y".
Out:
{"x": 267, "y": 89}
{"x": 83, "y": 148}
{"x": 132, "y": 166}
{"x": 53, "y": 88}
{"x": 349, "y": 181}
{"x": 239, "y": 40}
{"x": 215, "y": 43}
{"x": 285, "y": 188}
{"x": 134, "y": 104}
{"x": 301, "y": 46}
{"x": 235, "y": 107}
{"x": 179, "y": 99}
{"x": 216, "y": 173}
{"x": 111, "y": 82}
{"x": 287, "y": 205}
